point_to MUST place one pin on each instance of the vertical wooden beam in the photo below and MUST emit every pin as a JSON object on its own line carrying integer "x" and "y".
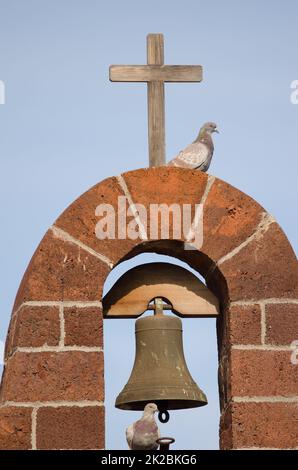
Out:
{"x": 156, "y": 103}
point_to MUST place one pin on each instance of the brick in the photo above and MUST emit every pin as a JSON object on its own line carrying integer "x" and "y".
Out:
{"x": 70, "y": 428}
{"x": 46, "y": 376}
{"x": 60, "y": 270}
{"x": 230, "y": 217}
{"x": 79, "y": 219}
{"x": 166, "y": 185}
{"x": 245, "y": 324}
{"x": 263, "y": 373}
{"x": 15, "y": 428}
{"x": 83, "y": 327}
{"x": 271, "y": 425}
{"x": 281, "y": 323}
{"x": 265, "y": 268}
{"x": 36, "y": 326}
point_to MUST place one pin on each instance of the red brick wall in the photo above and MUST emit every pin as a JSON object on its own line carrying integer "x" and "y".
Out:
{"x": 52, "y": 392}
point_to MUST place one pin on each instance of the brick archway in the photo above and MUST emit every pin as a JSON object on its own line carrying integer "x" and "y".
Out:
{"x": 52, "y": 390}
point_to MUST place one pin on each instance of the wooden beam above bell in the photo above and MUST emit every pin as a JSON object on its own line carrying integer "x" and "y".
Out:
{"x": 132, "y": 293}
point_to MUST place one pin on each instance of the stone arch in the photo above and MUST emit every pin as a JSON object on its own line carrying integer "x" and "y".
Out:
{"x": 52, "y": 390}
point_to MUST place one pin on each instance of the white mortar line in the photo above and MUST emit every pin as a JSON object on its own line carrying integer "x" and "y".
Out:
{"x": 33, "y": 428}
{"x": 198, "y": 212}
{"x": 57, "y": 303}
{"x": 41, "y": 303}
{"x": 50, "y": 303}
{"x": 62, "y": 327}
{"x": 262, "y": 227}
{"x": 269, "y": 399}
{"x": 62, "y": 235}
{"x": 60, "y": 305}
{"x": 193, "y": 228}
{"x": 56, "y": 349}
{"x": 18, "y": 309}
{"x": 210, "y": 181}
{"x": 51, "y": 404}
{"x": 13, "y": 316}
{"x": 123, "y": 186}
{"x": 71, "y": 303}
{"x": 262, "y": 303}
{"x": 261, "y": 347}
{"x": 263, "y": 323}
{"x": 275, "y": 300}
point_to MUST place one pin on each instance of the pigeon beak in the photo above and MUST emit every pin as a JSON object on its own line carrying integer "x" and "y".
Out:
{"x": 216, "y": 130}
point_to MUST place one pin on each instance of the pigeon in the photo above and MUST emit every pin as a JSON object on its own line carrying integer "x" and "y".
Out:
{"x": 143, "y": 434}
{"x": 197, "y": 155}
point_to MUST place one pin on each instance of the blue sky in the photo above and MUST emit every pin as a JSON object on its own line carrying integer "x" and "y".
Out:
{"x": 65, "y": 127}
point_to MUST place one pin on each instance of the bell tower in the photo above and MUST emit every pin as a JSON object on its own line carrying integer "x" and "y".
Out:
{"x": 52, "y": 389}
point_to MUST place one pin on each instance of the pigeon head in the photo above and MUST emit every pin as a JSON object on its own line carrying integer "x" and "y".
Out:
{"x": 150, "y": 408}
{"x": 209, "y": 127}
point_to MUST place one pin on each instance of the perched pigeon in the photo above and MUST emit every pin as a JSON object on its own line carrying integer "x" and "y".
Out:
{"x": 197, "y": 155}
{"x": 142, "y": 434}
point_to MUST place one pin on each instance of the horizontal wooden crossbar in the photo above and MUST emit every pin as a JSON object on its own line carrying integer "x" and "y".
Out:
{"x": 162, "y": 73}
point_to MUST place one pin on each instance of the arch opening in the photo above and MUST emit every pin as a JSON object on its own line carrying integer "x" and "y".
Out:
{"x": 192, "y": 428}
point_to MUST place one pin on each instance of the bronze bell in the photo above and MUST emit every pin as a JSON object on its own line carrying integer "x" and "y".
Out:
{"x": 160, "y": 373}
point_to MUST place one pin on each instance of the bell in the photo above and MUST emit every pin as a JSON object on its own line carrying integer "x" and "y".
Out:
{"x": 160, "y": 373}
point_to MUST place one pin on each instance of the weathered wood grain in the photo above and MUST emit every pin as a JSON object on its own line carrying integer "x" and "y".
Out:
{"x": 148, "y": 73}
{"x": 131, "y": 294}
{"x": 156, "y": 103}
{"x": 155, "y": 73}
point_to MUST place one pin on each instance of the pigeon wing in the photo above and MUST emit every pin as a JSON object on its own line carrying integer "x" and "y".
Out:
{"x": 193, "y": 156}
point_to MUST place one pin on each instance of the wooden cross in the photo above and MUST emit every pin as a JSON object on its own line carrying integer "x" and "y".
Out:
{"x": 155, "y": 73}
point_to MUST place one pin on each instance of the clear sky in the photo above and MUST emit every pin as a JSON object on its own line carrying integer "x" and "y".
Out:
{"x": 64, "y": 127}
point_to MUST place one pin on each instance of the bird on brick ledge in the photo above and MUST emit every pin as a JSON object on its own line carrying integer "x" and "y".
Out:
{"x": 198, "y": 155}
{"x": 143, "y": 434}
